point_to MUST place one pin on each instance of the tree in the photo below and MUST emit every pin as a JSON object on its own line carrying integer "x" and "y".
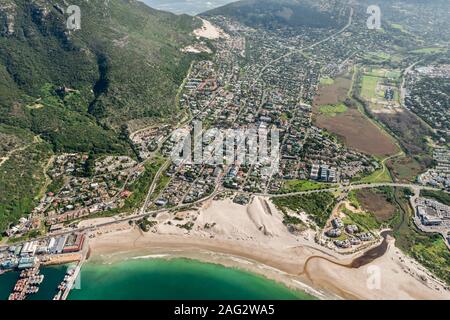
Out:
{"x": 89, "y": 165}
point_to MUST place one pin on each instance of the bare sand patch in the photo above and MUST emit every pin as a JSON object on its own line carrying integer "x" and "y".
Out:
{"x": 96, "y": 221}
{"x": 210, "y": 31}
{"x": 196, "y": 48}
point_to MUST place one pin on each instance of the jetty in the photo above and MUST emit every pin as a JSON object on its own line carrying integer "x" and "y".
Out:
{"x": 71, "y": 277}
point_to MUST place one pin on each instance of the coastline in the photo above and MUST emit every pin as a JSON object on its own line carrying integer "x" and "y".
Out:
{"x": 253, "y": 238}
{"x": 216, "y": 253}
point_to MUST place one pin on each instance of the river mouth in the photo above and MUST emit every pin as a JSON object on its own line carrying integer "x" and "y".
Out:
{"x": 366, "y": 258}
{"x": 372, "y": 254}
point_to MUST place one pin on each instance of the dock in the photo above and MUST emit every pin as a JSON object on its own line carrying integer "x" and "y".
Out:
{"x": 71, "y": 277}
{"x": 28, "y": 283}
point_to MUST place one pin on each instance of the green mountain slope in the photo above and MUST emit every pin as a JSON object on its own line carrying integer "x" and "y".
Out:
{"x": 75, "y": 91}
{"x": 125, "y": 61}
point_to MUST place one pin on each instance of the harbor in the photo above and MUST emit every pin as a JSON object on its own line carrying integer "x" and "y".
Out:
{"x": 21, "y": 265}
{"x": 28, "y": 283}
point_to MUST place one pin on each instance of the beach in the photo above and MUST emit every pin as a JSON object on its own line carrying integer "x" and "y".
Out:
{"x": 254, "y": 238}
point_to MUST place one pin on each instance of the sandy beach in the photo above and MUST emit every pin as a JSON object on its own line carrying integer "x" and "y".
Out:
{"x": 254, "y": 238}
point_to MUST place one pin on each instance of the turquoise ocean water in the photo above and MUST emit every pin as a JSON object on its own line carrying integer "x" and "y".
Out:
{"x": 147, "y": 279}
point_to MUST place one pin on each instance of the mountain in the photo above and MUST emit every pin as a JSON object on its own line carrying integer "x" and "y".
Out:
{"x": 124, "y": 63}
{"x": 76, "y": 91}
{"x": 271, "y": 14}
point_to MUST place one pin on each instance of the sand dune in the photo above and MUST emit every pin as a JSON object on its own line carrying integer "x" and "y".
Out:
{"x": 269, "y": 225}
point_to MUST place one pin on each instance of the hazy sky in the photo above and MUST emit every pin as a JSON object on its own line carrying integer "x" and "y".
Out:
{"x": 191, "y": 7}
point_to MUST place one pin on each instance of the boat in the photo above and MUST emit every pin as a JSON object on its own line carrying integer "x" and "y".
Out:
{"x": 28, "y": 283}
{"x": 32, "y": 290}
{"x": 58, "y": 295}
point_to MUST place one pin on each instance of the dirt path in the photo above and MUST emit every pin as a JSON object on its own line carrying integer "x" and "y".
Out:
{"x": 10, "y": 153}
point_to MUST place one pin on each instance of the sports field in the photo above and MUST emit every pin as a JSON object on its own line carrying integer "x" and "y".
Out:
{"x": 369, "y": 86}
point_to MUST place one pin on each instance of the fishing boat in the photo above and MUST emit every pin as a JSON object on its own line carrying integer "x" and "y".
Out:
{"x": 58, "y": 295}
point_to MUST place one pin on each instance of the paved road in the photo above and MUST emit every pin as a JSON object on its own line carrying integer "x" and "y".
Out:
{"x": 347, "y": 188}
{"x": 403, "y": 85}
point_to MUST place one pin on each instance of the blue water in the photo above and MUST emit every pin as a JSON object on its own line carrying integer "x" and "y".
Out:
{"x": 159, "y": 279}
{"x": 52, "y": 278}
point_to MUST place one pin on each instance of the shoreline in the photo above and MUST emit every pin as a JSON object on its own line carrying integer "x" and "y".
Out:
{"x": 321, "y": 278}
{"x": 254, "y": 238}
{"x": 180, "y": 249}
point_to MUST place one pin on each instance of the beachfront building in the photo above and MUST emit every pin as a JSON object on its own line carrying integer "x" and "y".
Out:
{"x": 337, "y": 223}
{"x": 74, "y": 243}
{"x": 334, "y": 233}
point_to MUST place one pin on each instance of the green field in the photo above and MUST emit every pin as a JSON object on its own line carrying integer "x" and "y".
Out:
{"x": 332, "y": 110}
{"x": 378, "y": 176}
{"x": 370, "y": 80}
{"x": 378, "y": 56}
{"x": 395, "y": 75}
{"x": 398, "y": 27}
{"x": 326, "y": 81}
{"x": 369, "y": 86}
{"x": 365, "y": 221}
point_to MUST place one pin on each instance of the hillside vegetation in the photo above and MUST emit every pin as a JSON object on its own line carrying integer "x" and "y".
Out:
{"x": 318, "y": 206}
{"x": 77, "y": 91}
{"x": 125, "y": 61}
{"x": 22, "y": 173}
